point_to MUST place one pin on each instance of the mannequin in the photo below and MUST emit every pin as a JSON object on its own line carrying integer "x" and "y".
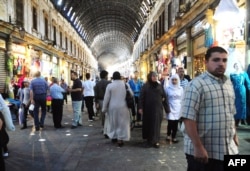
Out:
{"x": 248, "y": 98}
{"x": 241, "y": 83}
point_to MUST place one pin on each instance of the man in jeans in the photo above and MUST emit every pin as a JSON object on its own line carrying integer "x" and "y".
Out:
{"x": 38, "y": 93}
{"x": 136, "y": 85}
{"x": 76, "y": 96}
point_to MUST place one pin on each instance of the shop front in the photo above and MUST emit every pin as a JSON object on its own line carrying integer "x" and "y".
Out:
{"x": 63, "y": 69}
{"x": 199, "y": 51}
{"x": 20, "y": 65}
{"x": 3, "y": 72}
{"x": 35, "y": 61}
{"x": 230, "y": 34}
{"x": 199, "y": 47}
{"x": 46, "y": 65}
{"x": 55, "y": 69}
{"x": 181, "y": 43}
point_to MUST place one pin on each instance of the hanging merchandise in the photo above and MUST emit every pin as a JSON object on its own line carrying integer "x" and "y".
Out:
{"x": 226, "y": 9}
{"x": 208, "y": 36}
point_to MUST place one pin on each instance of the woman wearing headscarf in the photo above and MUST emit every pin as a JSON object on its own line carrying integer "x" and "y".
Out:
{"x": 150, "y": 106}
{"x": 174, "y": 93}
{"x": 114, "y": 104}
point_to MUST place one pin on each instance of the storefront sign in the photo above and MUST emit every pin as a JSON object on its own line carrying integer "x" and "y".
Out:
{"x": 181, "y": 38}
{"x": 181, "y": 46}
{"x": 198, "y": 27}
{"x": 199, "y": 45}
{"x": 18, "y": 48}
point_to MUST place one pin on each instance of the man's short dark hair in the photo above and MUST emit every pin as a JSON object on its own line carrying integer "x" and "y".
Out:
{"x": 87, "y": 75}
{"x": 103, "y": 74}
{"x": 214, "y": 49}
{"x": 73, "y": 72}
{"x": 116, "y": 75}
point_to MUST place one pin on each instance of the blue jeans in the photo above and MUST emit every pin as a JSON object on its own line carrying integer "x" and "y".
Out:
{"x": 77, "y": 105}
{"x": 39, "y": 102}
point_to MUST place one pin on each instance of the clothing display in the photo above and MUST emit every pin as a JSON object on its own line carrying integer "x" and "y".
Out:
{"x": 241, "y": 83}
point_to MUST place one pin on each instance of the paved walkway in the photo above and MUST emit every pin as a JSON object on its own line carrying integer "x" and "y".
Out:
{"x": 86, "y": 149}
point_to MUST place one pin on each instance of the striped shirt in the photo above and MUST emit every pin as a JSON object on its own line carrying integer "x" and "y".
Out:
{"x": 183, "y": 83}
{"x": 209, "y": 101}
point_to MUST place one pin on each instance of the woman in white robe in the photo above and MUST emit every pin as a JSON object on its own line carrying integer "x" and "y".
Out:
{"x": 174, "y": 93}
{"x": 118, "y": 113}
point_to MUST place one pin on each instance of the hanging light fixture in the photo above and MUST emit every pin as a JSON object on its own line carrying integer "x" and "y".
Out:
{"x": 227, "y": 9}
{"x": 22, "y": 32}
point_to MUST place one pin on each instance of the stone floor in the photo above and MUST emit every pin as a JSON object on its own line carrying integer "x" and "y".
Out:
{"x": 86, "y": 149}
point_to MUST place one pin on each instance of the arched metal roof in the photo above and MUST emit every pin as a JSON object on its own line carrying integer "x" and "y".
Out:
{"x": 109, "y": 27}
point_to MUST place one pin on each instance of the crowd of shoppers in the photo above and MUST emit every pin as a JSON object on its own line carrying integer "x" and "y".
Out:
{"x": 205, "y": 105}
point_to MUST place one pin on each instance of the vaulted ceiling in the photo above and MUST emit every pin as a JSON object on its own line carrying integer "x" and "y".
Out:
{"x": 109, "y": 27}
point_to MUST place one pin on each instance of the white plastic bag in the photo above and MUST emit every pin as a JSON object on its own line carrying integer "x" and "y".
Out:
{"x": 31, "y": 108}
{"x": 20, "y": 115}
{"x": 6, "y": 114}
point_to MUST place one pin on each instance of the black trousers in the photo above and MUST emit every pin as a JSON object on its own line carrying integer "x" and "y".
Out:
{"x": 172, "y": 128}
{"x": 4, "y": 139}
{"x": 57, "y": 109}
{"x": 65, "y": 97}
{"x": 25, "y": 114}
{"x": 89, "y": 101}
{"x": 2, "y": 164}
{"x": 212, "y": 165}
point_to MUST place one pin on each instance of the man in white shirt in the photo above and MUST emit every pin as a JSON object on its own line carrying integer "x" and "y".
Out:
{"x": 88, "y": 91}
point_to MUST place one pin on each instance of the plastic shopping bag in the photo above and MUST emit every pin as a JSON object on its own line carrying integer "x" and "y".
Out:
{"x": 20, "y": 115}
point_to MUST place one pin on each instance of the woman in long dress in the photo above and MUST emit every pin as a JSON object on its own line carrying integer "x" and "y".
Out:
{"x": 114, "y": 104}
{"x": 151, "y": 107}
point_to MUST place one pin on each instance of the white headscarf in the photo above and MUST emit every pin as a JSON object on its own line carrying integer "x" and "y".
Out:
{"x": 170, "y": 84}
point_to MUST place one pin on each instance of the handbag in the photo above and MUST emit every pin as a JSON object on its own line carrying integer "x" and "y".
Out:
{"x": 129, "y": 98}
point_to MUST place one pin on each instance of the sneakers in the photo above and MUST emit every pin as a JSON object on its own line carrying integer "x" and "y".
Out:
{"x": 6, "y": 154}
{"x": 91, "y": 120}
{"x": 175, "y": 140}
{"x": 168, "y": 138}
